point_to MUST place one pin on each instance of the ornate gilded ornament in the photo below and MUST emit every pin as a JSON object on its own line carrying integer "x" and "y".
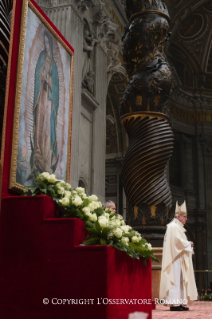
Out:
{"x": 142, "y": 110}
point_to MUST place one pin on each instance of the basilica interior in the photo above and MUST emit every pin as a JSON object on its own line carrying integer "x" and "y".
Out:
{"x": 99, "y": 141}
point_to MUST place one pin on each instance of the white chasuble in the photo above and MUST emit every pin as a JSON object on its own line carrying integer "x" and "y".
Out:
{"x": 177, "y": 274}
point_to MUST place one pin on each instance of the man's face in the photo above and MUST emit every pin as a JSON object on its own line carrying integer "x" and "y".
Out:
{"x": 112, "y": 207}
{"x": 182, "y": 218}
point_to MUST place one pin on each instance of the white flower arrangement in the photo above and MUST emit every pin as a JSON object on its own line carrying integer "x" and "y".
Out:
{"x": 77, "y": 201}
{"x": 135, "y": 239}
{"x": 80, "y": 190}
{"x": 104, "y": 226}
{"x": 118, "y": 232}
{"x": 103, "y": 221}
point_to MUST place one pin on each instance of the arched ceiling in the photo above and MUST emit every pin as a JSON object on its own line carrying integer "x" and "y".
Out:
{"x": 190, "y": 46}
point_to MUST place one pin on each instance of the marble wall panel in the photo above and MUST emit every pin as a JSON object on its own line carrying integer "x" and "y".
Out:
{"x": 85, "y": 150}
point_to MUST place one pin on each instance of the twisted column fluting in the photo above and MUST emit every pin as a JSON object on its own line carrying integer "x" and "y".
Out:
{"x": 143, "y": 113}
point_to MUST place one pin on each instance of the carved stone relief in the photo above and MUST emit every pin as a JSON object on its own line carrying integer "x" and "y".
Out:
{"x": 191, "y": 26}
{"x": 89, "y": 43}
{"x": 113, "y": 61}
{"x": 83, "y": 5}
{"x": 200, "y": 102}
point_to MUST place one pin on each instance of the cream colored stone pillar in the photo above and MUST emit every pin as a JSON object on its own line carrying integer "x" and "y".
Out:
{"x": 156, "y": 272}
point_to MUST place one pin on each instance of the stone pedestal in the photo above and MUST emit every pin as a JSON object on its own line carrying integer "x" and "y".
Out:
{"x": 156, "y": 272}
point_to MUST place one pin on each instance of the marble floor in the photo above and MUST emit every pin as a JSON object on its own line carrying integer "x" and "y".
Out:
{"x": 198, "y": 310}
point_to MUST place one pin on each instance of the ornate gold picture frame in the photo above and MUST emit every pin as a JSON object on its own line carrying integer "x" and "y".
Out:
{"x": 41, "y": 140}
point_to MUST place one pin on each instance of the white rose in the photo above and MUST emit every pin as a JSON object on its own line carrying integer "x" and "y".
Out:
{"x": 117, "y": 232}
{"x": 66, "y": 185}
{"x": 93, "y": 217}
{"x": 125, "y": 240}
{"x": 110, "y": 234}
{"x": 80, "y": 190}
{"x": 125, "y": 228}
{"x": 149, "y": 246}
{"x": 135, "y": 239}
{"x": 65, "y": 201}
{"x": 115, "y": 222}
{"x": 61, "y": 183}
{"x": 83, "y": 195}
{"x": 103, "y": 221}
{"x": 88, "y": 214}
{"x": 86, "y": 210}
{"x": 95, "y": 205}
{"x": 43, "y": 176}
{"x": 60, "y": 190}
{"x": 137, "y": 234}
{"x": 77, "y": 201}
{"x": 91, "y": 206}
{"x": 100, "y": 204}
{"x": 68, "y": 193}
{"x": 52, "y": 178}
{"x": 93, "y": 198}
{"x": 122, "y": 222}
{"x": 106, "y": 215}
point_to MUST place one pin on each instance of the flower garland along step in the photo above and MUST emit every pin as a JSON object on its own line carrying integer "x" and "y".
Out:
{"x": 104, "y": 226}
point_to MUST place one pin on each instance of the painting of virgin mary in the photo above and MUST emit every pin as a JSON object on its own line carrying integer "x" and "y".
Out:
{"x": 44, "y": 156}
{"x": 43, "y": 141}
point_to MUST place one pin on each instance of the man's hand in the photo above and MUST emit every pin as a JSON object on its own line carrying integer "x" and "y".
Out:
{"x": 192, "y": 244}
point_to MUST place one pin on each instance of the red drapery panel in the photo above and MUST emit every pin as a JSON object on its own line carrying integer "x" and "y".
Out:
{"x": 41, "y": 258}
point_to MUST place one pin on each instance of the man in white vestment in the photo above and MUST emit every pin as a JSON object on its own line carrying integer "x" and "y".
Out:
{"x": 112, "y": 206}
{"x": 177, "y": 286}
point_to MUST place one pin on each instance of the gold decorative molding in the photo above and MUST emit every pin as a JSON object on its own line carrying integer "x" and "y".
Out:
{"x": 143, "y": 115}
{"x": 13, "y": 164}
{"x": 168, "y": 211}
{"x": 190, "y": 116}
{"x": 143, "y": 221}
{"x": 17, "y": 108}
{"x": 153, "y": 211}
{"x": 135, "y": 212}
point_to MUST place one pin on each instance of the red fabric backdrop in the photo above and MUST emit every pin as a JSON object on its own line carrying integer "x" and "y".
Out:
{"x": 41, "y": 258}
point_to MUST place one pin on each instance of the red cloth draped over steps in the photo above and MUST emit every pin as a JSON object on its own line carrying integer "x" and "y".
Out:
{"x": 41, "y": 258}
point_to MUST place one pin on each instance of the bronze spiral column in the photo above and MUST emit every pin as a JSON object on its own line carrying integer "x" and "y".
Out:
{"x": 5, "y": 8}
{"x": 150, "y": 135}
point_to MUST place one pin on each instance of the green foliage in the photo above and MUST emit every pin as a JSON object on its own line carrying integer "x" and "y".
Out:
{"x": 104, "y": 227}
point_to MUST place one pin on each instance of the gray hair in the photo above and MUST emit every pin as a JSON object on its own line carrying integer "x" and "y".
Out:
{"x": 108, "y": 203}
{"x": 179, "y": 214}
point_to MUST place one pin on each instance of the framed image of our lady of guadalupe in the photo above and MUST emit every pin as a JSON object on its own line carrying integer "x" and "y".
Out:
{"x": 41, "y": 139}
